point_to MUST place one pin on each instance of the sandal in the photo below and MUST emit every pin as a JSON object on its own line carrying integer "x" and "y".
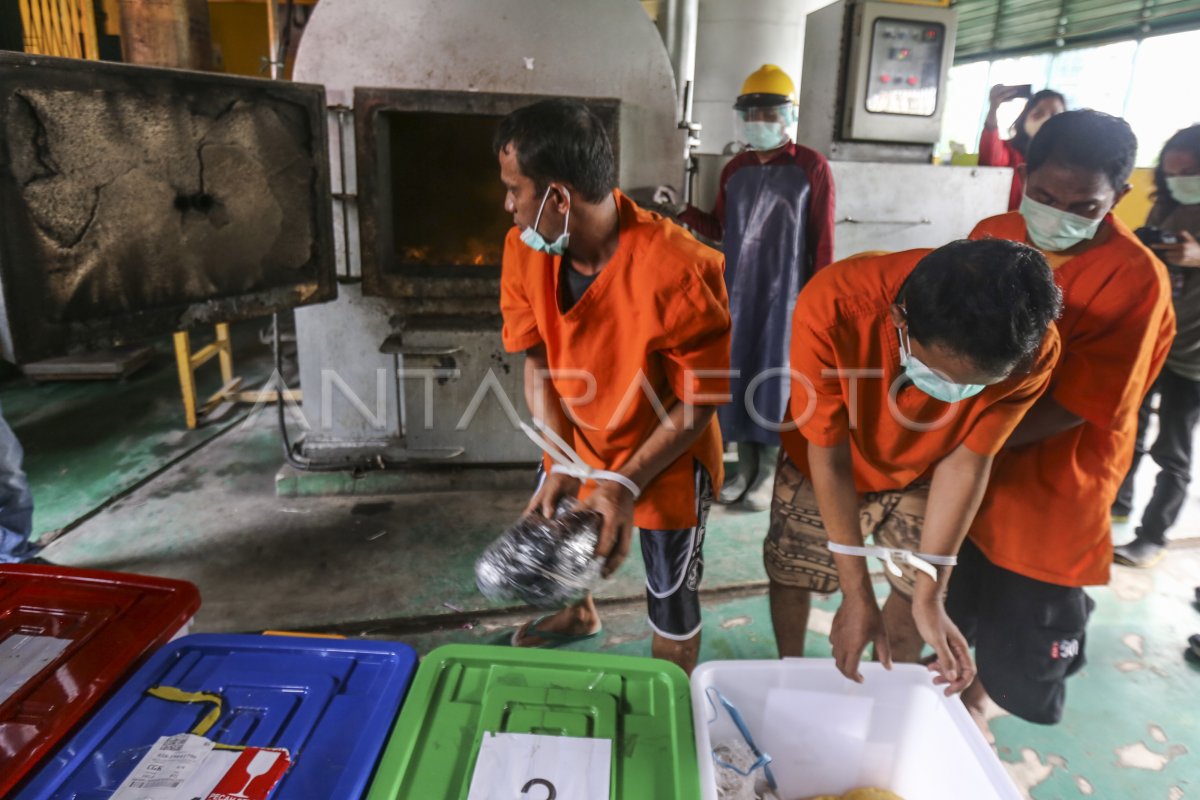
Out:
{"x": 549, "y": 638}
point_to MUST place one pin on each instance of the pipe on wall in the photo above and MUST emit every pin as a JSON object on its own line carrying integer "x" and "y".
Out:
{"x": 677, "y": 22}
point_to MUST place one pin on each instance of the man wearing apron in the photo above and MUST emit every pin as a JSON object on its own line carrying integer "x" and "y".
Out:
{"x": 774, "y": 218}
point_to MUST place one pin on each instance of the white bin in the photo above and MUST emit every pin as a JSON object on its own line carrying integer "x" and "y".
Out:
{"x": 829, "y": 735}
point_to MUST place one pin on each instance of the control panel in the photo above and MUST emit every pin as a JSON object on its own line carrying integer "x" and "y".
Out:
{"x": 897, "y": 68}
{"x": 905, "y": 67}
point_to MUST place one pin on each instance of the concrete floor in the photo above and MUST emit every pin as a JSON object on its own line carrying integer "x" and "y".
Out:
{"x": 122, "y": 486}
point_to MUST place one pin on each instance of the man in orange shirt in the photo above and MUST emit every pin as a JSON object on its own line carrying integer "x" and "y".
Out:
{"x": 624, "y": 321}
{"x": 1043, "y": 530}
{"x": 909, "y": 372}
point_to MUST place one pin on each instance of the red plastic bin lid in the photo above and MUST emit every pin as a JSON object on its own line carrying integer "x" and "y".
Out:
{"x": 67, "y": 636}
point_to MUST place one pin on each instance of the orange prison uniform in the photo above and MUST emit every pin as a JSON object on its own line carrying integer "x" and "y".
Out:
{"x": 658, "y": 309}
{"x": 842, "y": 322}
{"x": 1046, "y": 512}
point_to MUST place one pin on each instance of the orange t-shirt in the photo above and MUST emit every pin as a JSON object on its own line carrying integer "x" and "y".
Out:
{"x": 1046, "y": 514}
{"x": 651, "y": 330}
{"x": 842, "y": 323}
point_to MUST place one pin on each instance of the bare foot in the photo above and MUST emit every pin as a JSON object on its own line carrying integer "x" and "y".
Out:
{"x": 581, "y": 619}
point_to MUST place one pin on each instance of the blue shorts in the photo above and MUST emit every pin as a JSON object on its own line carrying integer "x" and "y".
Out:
{"x": 674, "y": 562}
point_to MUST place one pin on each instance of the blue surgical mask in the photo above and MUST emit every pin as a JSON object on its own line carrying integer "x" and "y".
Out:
{"x": 765, "y": 135}
{"x": 531, "y": 237}
{"x": 1185, "y": 189}
{"x": 929, "y": 381}
{"x": 1053, "y": 230}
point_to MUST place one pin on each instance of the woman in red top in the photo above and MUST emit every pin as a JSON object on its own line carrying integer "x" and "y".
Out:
{"x": 997, "y": 152}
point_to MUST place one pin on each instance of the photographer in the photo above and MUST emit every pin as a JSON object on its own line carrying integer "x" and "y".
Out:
{"x": 997, "y": 152}
{"x": 1171, "y": 230}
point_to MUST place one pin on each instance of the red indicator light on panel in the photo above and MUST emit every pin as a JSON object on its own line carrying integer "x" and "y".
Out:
{"x": 912, "y": 80}
{"x": 885, "y": 78}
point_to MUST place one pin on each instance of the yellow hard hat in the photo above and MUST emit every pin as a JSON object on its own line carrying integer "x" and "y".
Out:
{"x": 766, "y": 86}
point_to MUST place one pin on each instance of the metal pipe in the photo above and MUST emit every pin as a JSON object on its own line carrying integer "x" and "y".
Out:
{"x": 677, "y": 23}
{"x": 274, "y": 67}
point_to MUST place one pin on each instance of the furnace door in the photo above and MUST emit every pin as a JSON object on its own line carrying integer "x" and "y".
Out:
{"x": 137, "y": 201}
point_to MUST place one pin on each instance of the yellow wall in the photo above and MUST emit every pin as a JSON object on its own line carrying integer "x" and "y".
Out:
{"x": 239, "y": 33}
{"x": 1136, "y": 205}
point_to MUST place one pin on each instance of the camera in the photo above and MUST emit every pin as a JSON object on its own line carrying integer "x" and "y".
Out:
{"x": 1151, "y": 236}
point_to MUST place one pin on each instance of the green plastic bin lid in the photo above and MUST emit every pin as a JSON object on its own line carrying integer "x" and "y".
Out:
{"x": 463, "y": 691}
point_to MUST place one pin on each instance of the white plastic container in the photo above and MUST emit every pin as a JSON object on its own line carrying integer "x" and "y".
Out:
{"x": 828, "y": 735}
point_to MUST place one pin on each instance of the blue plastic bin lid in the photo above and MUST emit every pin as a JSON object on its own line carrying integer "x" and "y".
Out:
{"x": 330, "y": 703}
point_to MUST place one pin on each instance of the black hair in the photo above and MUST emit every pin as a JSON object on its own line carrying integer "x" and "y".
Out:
{"x": 989, "y": 300}
{"x": 1187, "y": 140}
{"x": 1087, "y": 139}
{"x": 1020, "y": 139}
{"x": 560, "y": 140}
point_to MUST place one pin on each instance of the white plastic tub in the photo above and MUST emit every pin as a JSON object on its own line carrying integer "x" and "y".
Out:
{"x": 828, "y": 735}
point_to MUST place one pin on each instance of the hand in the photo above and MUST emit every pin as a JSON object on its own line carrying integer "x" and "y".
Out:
{"x": 856, "y": 624}
{"x": 666, "y": 194}
{"x": 953, "y": 664}
{"x": 1002, "y": 94}
{"x": 668, "y": 201}
{"x": 1184, "y": 254}
{"x": 554, "y": 488}
{"x": 614, "y": 503}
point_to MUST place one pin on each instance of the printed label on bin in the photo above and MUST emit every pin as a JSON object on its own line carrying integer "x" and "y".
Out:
{"x": 253, "y": 775}
{"x": 532, "y": 767}
{"x": 188, "y": 766}
{"x": 171, "y": 763}
{"x": 22, "y": 657}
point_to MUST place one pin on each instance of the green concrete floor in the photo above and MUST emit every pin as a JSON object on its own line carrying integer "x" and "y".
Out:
{"x": 87, "y": 442}
{"x": 110, "y": 465}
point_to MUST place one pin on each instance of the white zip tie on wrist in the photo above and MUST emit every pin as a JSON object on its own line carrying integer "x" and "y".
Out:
{"x": 568, "y": 462}
{"x": 922, "y": 561}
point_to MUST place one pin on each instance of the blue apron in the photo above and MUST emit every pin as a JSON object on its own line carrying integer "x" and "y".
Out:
{"x": 766, "y": 265}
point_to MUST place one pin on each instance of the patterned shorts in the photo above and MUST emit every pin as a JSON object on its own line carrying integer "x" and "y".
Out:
{"x": 795, "y": 550}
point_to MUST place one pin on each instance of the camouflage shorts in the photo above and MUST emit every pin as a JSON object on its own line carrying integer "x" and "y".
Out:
{"x": 795, "y": 550}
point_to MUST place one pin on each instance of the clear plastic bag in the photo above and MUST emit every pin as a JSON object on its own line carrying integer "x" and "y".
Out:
{"x": 543, "y": 562}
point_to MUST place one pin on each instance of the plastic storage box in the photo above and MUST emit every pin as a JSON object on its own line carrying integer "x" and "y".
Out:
{"x": 828, "y": 735}
{"x": 66, "y": 637}
{"x": 461, "y": 691}
{"x": 330, "y": 703}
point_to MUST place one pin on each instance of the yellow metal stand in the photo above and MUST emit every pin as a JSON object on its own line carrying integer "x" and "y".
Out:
{"x": 231, "y": 386}
{"x": 60, "y": 28}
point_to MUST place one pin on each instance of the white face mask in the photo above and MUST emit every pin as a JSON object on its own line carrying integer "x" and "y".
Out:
{"x": 1053, "y": 230}
{"x": 532, "y": 238}
{"x": 928, "y": 380}
{"x": 764, "y": 134}
{"x": 1185, "y": 189}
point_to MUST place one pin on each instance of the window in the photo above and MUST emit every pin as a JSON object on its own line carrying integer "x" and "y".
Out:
{"x": 1146, "y": 82}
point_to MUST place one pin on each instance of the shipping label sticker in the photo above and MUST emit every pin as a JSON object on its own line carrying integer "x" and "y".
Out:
{"x": 253, "y": 776}
{"x": 168, "y": 765}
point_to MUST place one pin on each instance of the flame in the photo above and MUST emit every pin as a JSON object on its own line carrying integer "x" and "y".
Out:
{"x": 473, "y": 254}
